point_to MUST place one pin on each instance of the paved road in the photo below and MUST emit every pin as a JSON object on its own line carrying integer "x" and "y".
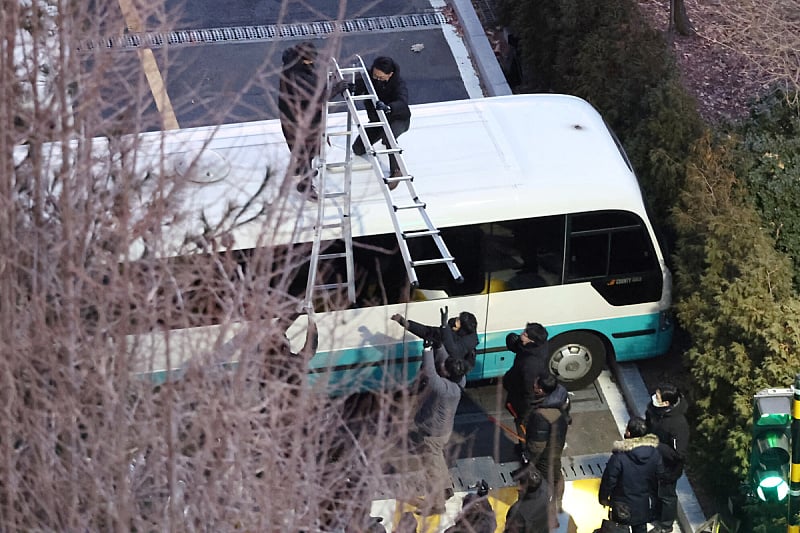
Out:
{"x": 482, "y": 447}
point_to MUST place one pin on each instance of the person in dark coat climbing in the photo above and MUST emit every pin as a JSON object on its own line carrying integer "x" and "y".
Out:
{"x": 301, "y": 100}
{"x": 529, "y": 512}
{"x": 530, "y": 362}
{"x": 630, "y": 481}
{"x": 666, "y": 418}
{"x": 392, "y": 95}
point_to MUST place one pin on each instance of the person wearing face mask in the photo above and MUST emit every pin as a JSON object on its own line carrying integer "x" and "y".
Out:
{"x": 666, "y": 418}
{"x": 392, "y": 100}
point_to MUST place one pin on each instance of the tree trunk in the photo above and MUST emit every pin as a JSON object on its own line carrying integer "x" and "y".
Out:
{"x": 678, "y": 19}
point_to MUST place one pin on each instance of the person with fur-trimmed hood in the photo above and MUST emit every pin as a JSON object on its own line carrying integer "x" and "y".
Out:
{"x": 630, "y": 481}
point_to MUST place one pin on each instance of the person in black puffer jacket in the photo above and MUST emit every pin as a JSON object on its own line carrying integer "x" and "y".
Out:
{"x": 301, "y": 98}
{"x": 456, "y": 336}
{"x": 392, "y": 95}
{"x": 666, "y": 418}
{"x": 630, "y": 481}
{"x": 530, "y": 362}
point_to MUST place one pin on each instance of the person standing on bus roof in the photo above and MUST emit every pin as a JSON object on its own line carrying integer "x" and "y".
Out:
{"x": 393, "y": 101}
{"x": 530, "y": 362}
{"x": 301, "y": 99}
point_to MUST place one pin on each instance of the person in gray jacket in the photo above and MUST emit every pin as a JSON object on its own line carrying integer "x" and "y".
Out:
{"x": 433, "y": 424}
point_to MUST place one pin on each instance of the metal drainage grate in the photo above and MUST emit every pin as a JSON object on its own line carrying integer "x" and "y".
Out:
{"x": 270, "y": 32}
{"x": 584, "y": 466}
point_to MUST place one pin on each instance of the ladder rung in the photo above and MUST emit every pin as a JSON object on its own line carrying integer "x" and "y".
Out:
{"x": 329, "y": 225}
{"x": 329, "y": 286}
{"x": 338, "y": 133}
{"x": 350, "y": 70}
{"x": 418, "y": 205}
{"x": 337, "y": 255}
{"x": 420, "y": 233}
{"x": 334, "y": 194}
{"x": 388, "y": 151}
{"x": 337, "y": 103}
{"x": 373, "y": 125}
{"x": 361, "y": 97}
{"x": 426, "y": 262}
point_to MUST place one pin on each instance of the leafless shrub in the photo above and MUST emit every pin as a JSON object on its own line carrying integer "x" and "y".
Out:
{"x": 90, "y": 440}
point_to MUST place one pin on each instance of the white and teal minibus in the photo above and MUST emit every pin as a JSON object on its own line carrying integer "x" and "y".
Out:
{"x": 535, "y": 199}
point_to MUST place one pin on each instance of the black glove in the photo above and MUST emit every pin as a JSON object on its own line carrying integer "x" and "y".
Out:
{"x": 340, "y": 87}
{"x": 381, "y": 106}
{"x": 351, "y": 87}
{"x": 443, "y": 312}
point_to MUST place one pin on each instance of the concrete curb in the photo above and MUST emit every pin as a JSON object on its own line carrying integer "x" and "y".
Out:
{"x": 690, "y": 514}
{"x": 492, "y": 77}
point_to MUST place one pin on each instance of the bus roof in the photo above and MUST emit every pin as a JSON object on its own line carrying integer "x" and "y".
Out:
{"x": 473, "y": 161}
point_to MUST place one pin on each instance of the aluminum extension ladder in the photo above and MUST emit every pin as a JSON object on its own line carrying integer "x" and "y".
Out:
{"x": 341, "y": 228}
{"x": 409, "y": 202}
{"x": 329, "y": 200}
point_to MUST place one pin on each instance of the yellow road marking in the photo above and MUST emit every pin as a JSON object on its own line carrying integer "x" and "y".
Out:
{"x": 151, "y": 71}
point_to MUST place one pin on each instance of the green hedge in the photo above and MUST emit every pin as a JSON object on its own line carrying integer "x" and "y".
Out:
{"x": 768, "y": 157}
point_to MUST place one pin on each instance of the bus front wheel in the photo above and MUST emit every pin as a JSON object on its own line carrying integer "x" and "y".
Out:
{"x": 576, "y": 358}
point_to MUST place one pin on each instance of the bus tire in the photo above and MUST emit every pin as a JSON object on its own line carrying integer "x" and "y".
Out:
{"x": 576, "y": 358}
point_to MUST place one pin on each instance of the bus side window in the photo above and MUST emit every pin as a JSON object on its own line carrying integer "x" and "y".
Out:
{"x": 611, "y": 243}
{"x": 529, "y": 252}
{"x": 465, "y": 244}
{"x": 380, "y": 274}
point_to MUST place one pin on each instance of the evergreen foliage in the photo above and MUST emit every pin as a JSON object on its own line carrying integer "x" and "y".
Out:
{"x": 734, "y": 297}
{"x": 769, "y": 158}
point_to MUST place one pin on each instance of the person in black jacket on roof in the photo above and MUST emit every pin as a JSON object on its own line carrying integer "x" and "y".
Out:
{"x": 301, "y": 98}
{"x": 666, "y": 418}
{"x": 630, "y": 481}
{"x": 392, "y": 95}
